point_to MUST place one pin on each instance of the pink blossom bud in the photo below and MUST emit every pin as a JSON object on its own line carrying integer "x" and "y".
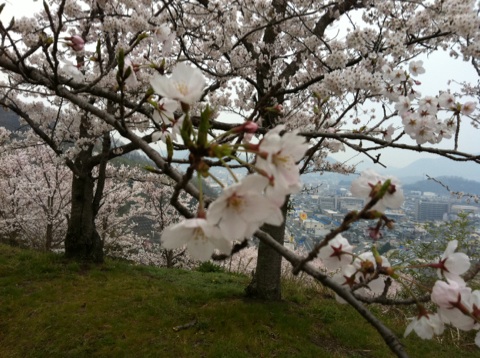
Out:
{"x": 250, "y": 127}
{"x": 374, "y": 233}
{"x": 77, "y": 43}
{"x": 247, "y": 127}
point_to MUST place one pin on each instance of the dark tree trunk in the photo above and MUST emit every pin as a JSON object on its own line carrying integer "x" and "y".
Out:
{"x": 82, "y": 241}
{"x": 266, "y": 283}
{"x": 49, "y": 229}
{"x": 49, "y": 237}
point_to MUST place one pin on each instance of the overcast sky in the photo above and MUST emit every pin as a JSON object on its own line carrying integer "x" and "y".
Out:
{"x": 440, "y": 69}
{"x": 19, "y": 8}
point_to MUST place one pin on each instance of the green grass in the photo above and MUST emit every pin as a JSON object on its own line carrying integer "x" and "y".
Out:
{"x": 50, "y": 307}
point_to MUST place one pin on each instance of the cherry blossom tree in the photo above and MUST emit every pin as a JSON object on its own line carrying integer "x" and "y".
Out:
{"x": 305, "y": 78}
{"x": 83, "y": 142}
{"x": 268, "y": 58}
{"x": 35, "y": 196}
{"x": 36, "y": 192}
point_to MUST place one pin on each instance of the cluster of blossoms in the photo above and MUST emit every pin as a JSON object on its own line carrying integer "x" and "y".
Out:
{"x": 367, "y": 269}
{"x": 420, "y": 114}
{"x": 35, "y": 193}
{"x": 249, "y": 203}
{"x": 456, "y": 304}
{"x": 184, "y": 86}
{"x": 246, "y": 205}
{"x": 425, "y": 119}
{"x": 365, "y": 273}
{"x": 423, "y": 125}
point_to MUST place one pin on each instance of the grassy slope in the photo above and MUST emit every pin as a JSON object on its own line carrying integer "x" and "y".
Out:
{"x": 53, "y": 308}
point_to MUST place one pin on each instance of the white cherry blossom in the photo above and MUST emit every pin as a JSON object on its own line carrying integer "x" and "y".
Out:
{"x": 446, "y": 100}
{"x": 164, "y": 112}
{"x": 416, "y": 68}
{"x": 162, "y": 135}
{"x": 468, "y": 108}
{"x": 162, "y": 33}
{"x": 242, "y": 208}
{"x": 362, "y": 188}
{"x": 131, "y": 81}
{"x": 279, "y": 156}
{"x": 458, "y": 305}
{"x": 449, "y": 294}
{"x": 71, "y": 70}
{"x": 164, "y": 36}
{"x": 201, "y": 238}
{"x": 425, "y": 326}
{"x": 337, "y": 253}
{"x": 427, "y": 105}
{"x": 335, "y": 146}
{"x": 403, "y": 105}
{"x": 446, "y": 130}
{"x": 454, "y": 300}
{"x": 411, "y": 122}
{"x": 185, "y": 84}
{"x": 425, "y": 130}
{"x": 345, "y": 278}
{"x": 388, "y": 133}
{"x": 397, "y": 76}
{"x": 456, "y": 318}
{"x": 366, "y": 266}
{"x": 452, "y": 264}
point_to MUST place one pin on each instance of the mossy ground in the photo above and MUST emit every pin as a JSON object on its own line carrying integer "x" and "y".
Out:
{"x": 50, "y": 307}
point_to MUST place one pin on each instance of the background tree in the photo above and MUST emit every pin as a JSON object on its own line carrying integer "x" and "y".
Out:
{"x": 36, "y": 193}
{"x": 35, "y": 196}
{"x": 84, "y": 142}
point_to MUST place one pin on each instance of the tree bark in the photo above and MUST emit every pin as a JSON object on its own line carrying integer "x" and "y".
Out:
{"x": 48, "y": 237}
{"x": 82, "y": 241}
{"x": 266, "y": 283}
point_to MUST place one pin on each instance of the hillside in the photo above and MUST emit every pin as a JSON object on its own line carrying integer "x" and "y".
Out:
{"x": 434, "y": 167}
{"x": 412, "y": 173}
{"x": 55, "y": 308}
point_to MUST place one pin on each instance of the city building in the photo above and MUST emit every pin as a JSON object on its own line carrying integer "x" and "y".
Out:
{"x": 431, "y": 211}
{"x": 327, "y": 203}
{"x": 340, "y": 203}
{"x": 346, "y": 204}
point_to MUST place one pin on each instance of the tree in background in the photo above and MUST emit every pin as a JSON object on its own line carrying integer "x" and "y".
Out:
{"x": 35, "y": 196}
{"x": 36, "y": 193}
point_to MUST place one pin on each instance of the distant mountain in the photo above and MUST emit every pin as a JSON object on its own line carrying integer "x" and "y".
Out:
{"x": 439, "y": 167}
{"x": 453, "y": 183}
{"x": 9, "y": 120}
{"x": 412, "y": 173}
{"x": 434, "y": 167}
